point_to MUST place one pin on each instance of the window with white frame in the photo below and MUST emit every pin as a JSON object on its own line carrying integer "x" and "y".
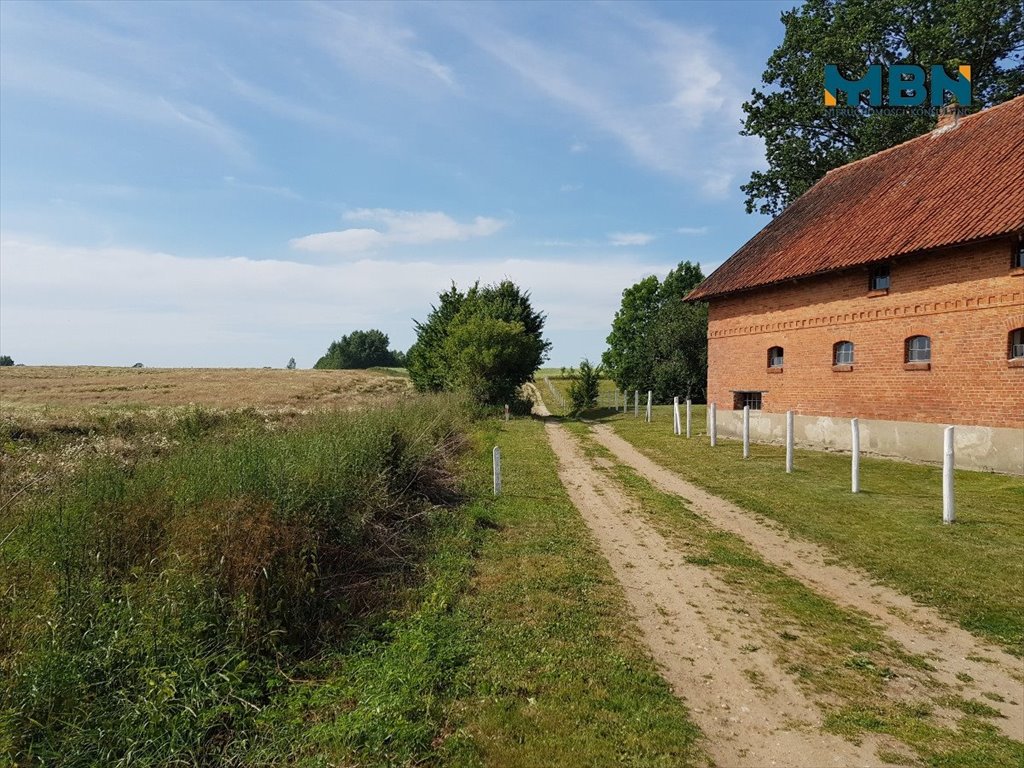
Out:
{"x": 775, "y": 357}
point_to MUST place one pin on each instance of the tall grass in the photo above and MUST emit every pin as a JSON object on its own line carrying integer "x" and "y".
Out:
{"x": 146, "y": 611}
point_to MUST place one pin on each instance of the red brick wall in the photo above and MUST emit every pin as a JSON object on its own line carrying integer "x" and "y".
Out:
{"x": 966, "y": 299}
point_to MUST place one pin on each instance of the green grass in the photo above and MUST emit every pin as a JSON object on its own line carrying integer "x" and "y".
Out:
{"x": 606, "y": 394}
{"x": 556, "y": 673}
{"x": 149, "y": 611}
{"x": 972, "y": 572}
{"x": 514, "y": 651}
{"x": 313, "y": 596}
{"x": 844, "y": 659}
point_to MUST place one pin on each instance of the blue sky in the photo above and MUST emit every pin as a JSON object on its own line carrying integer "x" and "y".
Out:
{"x": 235, "y": 184}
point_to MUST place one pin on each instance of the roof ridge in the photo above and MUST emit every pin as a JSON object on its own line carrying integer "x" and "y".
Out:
{"x": 930, "y": 134}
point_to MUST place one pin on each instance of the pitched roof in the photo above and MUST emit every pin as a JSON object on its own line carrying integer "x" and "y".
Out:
{"x": 952, "y": 185}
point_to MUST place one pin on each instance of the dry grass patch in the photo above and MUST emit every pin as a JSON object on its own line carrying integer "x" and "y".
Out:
{"x": 78, "y": 386}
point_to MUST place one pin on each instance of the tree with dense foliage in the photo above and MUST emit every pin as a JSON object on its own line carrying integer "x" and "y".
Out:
{"x": 6, "y": 360}
{"x": 584, "y": 387}
{"x": 488, "y": 340}
{"x": 658, "y": 341}
{"x": 359, "y": 349}
{"x": 804, "y": 139}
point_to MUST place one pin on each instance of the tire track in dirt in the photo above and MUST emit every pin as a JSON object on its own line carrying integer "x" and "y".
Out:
{"x": 687, "y": 619}
{"x": 960, "y": 659}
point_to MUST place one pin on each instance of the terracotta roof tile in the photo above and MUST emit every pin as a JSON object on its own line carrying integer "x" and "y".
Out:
{"x": 950, "y": 186}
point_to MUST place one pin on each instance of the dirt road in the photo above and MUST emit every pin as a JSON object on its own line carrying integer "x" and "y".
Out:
{"x": 751, "y": 710}
{"x": 959, "y": 658}
{"x": 686, "y": 616}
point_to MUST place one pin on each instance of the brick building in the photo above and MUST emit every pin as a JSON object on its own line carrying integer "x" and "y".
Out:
{"x": 893, "y": 290}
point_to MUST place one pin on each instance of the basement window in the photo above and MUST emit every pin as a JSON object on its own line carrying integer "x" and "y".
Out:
{"x": 879, "y": 280}
{"x": 751, "y": 400}
{"x": 775, "y": 357}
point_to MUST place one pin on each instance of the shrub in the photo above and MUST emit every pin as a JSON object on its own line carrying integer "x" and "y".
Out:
{"x": 488, "y": 341}
{"x": 584, "y": 386}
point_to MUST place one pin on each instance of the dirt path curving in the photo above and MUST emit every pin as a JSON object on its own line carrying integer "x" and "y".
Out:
{"x": 956, "y": 654}
{"x": 752, "y": 712}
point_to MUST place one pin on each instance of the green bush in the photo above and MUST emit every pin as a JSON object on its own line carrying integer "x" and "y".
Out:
{"x": 584, "y": 386}
{"x": 487, "y": 341}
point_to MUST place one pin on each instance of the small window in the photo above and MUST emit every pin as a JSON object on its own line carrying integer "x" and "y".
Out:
{"x": 919, "y": 349}
{"x": 775, "y": 357}
{"x": 1018, "y": 255}
{"x": 842, "y": 353}
{"x": 751, "y": 400}
{"x": 879, "y": 280}
{"x": 1017, "y": 344}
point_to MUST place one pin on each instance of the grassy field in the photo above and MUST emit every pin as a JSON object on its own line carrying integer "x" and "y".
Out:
{"x": 973, "y": 571}
{"x": 261, "y": 586}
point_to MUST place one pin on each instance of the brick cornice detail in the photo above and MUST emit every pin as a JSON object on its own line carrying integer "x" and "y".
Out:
{"x": 917, "y": 309}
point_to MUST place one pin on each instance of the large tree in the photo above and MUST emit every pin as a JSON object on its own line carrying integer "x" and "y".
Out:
{"x": 658, "y": 341}
{"x": 359, "y": 349}
{"x": 488, "y": 341}
{"x": 804, "y": 139}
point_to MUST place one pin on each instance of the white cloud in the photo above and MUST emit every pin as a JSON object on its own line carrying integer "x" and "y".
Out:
{"x": 692, "y": 230}
{"x": 577, "y": 147}
{"x": 570, "y": 188}
{"x": 395, "y": 228}
{"x": 61, "y": 304}
{"x": 630, "y": 238}
{"x": 368, "y": 40}
{"x": 668, "y": 94}
{"x": 106, "y": 95}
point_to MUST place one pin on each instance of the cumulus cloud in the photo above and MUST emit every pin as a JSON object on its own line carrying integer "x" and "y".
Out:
{"x": 630, "y": 238}
{"x": 392, "y": 227}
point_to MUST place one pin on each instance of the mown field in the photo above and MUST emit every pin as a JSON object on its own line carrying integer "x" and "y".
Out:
{"x": 247, "y": 581}
{"x": 84, "y": 386}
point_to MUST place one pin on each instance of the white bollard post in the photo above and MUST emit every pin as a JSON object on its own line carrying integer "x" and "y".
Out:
{"x": 855, "y": 448}
{"x": 789, "y": 441}
{"x": 636, "y": 403}
{"x": 496, "y": 456}
{"x": 746, "y": 431}
{"x": 948, "y": 506}
{"x": 689, "y": 416}
{"x": 506, "y": 411}
{"x": 713, "y": 425}
{"x": 648, "y": 406}
{"x": 676, "y": 423}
